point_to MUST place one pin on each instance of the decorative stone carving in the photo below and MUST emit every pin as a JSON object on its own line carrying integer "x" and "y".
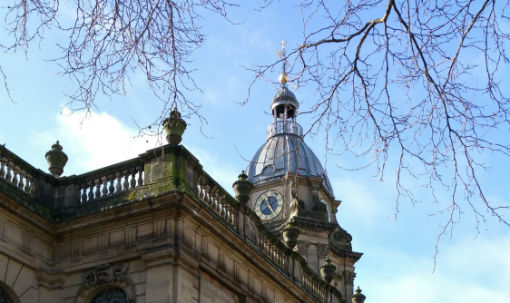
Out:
{"x": 174, "y": 127}
{"x": 56, "y": 159}
{"x": 358, "y": 297}
{"x": 107, "y": 276}
{"x": 242, "y": 188}
{"x": 327, "y": 270}
{"x": 290, "y": 234}
{"x": 297, "y": 207}
{"x": 340, "y": 240}
{"x": 293, "y": 189}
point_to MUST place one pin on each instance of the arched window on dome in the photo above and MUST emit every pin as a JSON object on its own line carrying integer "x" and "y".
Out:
{"x": 4, "y": 295}
{"x": 110, "y": 295}
{"x": 328, "y": 209}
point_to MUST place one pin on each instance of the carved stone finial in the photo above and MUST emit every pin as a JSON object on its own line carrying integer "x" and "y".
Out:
{"x": 358, "y": 297}
{"x": 174, "y": 127}
{"x": 327, "y": 270}
{"x": 56, "y": 159}
{"x": 290, "y": 234}
{"x": 242, "y": 188}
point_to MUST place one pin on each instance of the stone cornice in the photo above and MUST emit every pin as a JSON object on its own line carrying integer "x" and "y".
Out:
{"x": 314, "y": 224}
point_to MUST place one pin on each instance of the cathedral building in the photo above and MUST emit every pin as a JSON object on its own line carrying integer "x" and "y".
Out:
{"x": 158, "y": 228}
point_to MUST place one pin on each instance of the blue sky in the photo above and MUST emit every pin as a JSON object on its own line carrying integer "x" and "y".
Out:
{"x": 397, "y": 265}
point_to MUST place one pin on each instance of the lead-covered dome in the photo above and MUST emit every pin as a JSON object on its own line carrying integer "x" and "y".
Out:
{"x": 284, "y": 152}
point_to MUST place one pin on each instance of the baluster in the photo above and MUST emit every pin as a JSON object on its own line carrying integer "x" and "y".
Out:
{"x": 21, "y": 184}
{"x": 104, "y": 189}
{"x": 228, "y": 213}
{"x": 90, "y": 186}
{"x": 218, "y": 204}
{"x": 126, "y": 182}
{"x": 8, "y": 176}
{"x": 15, "y": 176}
{"x": 32, "y": 187}
{"x": 200, "y": 184}
{"x": 221, "y": 206}
{"x": 199, "y": 191}
{"x": 110, "y": 180}
{"x": 2, "y": 170}
{"x": 98, "y": 188}
{"x": 203, "y": 192}
{"x": 213, "y": 199}
{"x": 83, "y": 193}
{"x": 28, "y": 184}
{"x": 118, "y": 186}
{"x": 217, "y": 199}
{"x": 18, "y": 177}
{"x": 207, "y": 194}
{"x": 140, "y": 176}
{"x": 132, "y": 184}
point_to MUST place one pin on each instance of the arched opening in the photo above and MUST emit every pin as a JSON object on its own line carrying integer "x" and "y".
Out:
{"x": 327, "y": 215}
{"x": 110, "y": 295}
{"x": 6, "y": 294}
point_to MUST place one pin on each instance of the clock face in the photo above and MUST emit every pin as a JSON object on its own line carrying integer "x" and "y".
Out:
{"x": 269, "y": 205}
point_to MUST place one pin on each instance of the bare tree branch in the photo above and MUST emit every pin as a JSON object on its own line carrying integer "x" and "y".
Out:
{"x": 106, "y": 42}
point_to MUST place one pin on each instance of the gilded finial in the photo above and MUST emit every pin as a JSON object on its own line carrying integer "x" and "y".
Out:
{"x": 283, "y": 78}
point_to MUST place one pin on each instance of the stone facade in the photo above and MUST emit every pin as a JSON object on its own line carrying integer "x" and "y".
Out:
{"x": 155, "y": 228}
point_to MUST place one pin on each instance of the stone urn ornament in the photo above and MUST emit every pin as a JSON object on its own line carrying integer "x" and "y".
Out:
{"x": 56, "y": 159}
{"x": 290, "y": 234}
{"x": 242, "y": 188}
{"x": 327, "y": 270}
{"x": 358, "y": 297}
{"x": 174, "y": 127}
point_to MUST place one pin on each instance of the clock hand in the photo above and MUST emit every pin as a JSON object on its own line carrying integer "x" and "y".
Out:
{"x": 269, "y": 205}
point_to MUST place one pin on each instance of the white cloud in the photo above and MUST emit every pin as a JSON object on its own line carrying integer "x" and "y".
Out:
{"x": 362, "y": 199}
{"x": 95, "y": 141}
{"x": 469, "y": 270}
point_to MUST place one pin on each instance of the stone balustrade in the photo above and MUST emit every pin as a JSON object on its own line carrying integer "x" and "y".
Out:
{"x": 17, "y": 177}
{"x": 214, "y": 196}
{"x": 118, "y": 179}
{"x": 157, "y": 172}
{"x": 16, "y": 172}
